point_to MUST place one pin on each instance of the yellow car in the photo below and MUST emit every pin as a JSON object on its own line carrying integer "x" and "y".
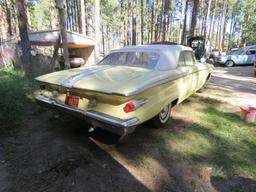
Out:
{"x": 126, "y": 88}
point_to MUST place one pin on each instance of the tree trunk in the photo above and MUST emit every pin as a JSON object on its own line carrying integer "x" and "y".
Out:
{"x": 55, "y": 54}
{"x": 129, "y": 29}
{"x": 14, "y": 17}
{"x": 74, "y": 3}
{"x": 207, "y": 19}
{"x": 97, "y": 28}
{"x": 53, "y": 15}
{"x": 8, "y": 18}
{"x": 194, "y": 18}
{"x": 28, "y": 15}
{"x": 165, "y": 26}
{"x": 61, "y": 6}
{"x": 79, "y": 18}
{"x": 217, "y": 34}
{"x": 142, "y": 21}
{"x": 230, "y": 31}
{"x": 122, "y": 28}
{"x": 185, "y": 25}
{"x": 161, "y": 20}
{"x": 134, "y": 24}
{"x": 83, "y": 18}
{"x": 103, "y": 40}
{"x": 152, "y": 22}
{"x": 222, "y": 28}
{"x": 182, "y": 21}
{"x": 2, "y": 25}
{"x": 25, "y": 44}
{"x": 156, "y": 21}
{"x": 212, "y": 23}
{"x": 201, "y": 17}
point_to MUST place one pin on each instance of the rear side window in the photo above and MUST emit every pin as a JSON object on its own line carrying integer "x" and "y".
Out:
{"x": 181, "y": 59}
{"x": 189, "y": 58}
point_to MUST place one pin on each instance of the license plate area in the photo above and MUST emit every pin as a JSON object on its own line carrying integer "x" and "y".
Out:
{"x": 72, "y": 100}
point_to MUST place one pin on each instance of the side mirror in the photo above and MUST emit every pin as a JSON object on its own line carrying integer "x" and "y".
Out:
{"x": 202, "y": 60}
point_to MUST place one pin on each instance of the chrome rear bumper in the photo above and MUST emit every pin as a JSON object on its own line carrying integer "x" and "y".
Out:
{"x": 109, "y": 123}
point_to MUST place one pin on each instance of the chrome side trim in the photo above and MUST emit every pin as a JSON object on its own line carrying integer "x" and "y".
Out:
{"x": 91, "y": 114}
{"x": 70, "y": 81}
{"x": 157, "y": 83}
{"x": 139, "y": 102}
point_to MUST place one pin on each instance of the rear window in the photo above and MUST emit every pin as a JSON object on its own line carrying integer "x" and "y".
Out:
{"x": 189, "y": 58}
{"x": 139, "y": 59}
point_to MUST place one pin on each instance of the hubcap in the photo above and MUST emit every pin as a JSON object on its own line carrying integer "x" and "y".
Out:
{"x": 164, "y": 114}
{"x": 229, "y": 63}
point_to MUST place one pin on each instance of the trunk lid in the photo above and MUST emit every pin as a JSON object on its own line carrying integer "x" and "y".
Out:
{"x": 104, "y": 78}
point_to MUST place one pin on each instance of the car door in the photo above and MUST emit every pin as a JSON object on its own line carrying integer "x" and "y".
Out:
{"x": 187, "y": 64}
{"x": 237, "y": 56}
{"x": 249, "y": 57}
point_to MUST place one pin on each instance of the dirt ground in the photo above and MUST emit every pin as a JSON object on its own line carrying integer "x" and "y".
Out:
{"x": 58, "y": 154}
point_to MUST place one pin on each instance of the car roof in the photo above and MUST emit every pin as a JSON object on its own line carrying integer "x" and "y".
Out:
{"x": 251, "y": 47}
{"x": 169, "y": 54}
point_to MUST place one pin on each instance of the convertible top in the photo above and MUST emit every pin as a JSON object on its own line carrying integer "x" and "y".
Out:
{"x": 169, "y": 54}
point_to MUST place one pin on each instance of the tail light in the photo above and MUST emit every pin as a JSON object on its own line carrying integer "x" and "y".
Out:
{"x": 133, "y": 105}
{"x": 129, "y": 107}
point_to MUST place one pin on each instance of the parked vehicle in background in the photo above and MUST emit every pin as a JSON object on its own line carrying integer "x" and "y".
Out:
{"x": 198, "y": 44}
{"x": 233, "y": 49}
{"x": 254, "y": 62}
{"x": 214, "y": 53}
{"x": 242, "y": 56}
{"x": 127, "y": 87}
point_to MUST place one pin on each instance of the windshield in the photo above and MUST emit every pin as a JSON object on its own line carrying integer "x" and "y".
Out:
{"x": 138, "y": 59}
{"x": 237, "y": 52}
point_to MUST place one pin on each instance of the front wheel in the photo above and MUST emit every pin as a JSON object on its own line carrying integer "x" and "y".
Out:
{"x": 161, "y": 119}
{"x": 229, "y": 63}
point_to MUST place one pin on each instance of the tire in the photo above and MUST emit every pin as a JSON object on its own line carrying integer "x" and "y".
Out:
{"x": 162, "y": 118}
{"x": 76, "y": 62}
{"x": 229, "y": 63}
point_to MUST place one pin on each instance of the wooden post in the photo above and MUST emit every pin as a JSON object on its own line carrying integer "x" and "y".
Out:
{"x": 61, "y": 6}
{"x": 55, "y": 54}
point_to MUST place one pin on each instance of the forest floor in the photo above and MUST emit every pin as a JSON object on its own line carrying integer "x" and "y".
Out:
{"x": 204, "y": 148}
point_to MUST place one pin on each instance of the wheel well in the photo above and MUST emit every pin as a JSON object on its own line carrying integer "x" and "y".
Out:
{"x": 174, "y": 102}
{"x": 230, "y": 60}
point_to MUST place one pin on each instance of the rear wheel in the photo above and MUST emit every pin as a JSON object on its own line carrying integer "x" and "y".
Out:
{"x": 161, "y": 119}
{"x": 229, "y": 63}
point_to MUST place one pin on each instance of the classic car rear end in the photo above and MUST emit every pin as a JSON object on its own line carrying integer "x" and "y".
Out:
{"x": 128, "y": 87}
